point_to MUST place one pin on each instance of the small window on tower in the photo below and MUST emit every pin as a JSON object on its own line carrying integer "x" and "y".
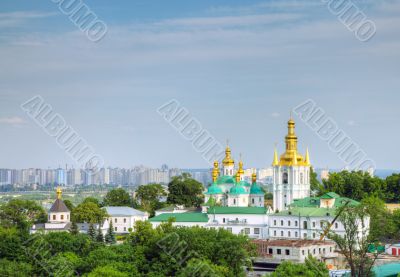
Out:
{"x": 285, "y": 178}
{"x": 252, "y": 201}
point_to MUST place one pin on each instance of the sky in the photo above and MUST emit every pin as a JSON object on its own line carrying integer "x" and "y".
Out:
{"x": 238, "y": 67}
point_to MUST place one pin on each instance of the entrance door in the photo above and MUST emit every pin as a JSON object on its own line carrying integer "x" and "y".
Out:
{"x": 394, "y": 251}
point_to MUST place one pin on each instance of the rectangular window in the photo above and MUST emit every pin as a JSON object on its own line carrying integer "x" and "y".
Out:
{"x": 313, "y": 224}
{"x": 115, "y": 220}
{"x": 288, "y": 234}
{"x": 62, "y": 217}
{"x": 288, "y": 223}
{"x": 274, "y": 222}
{"x": 281, "y": 233}
{"x": 223, "y": 220}
{"x": 278, "y": 251}
{"x": 115, "y": 229}
{"x": 256, "y": 231}
{"x": 302, "y": 252}
{"x": 281, "y": 222}
{"x": 304, "y": 224}
{"x": 270, "y": 251}
{"x": 287, "y": 252}
{"x": 295, "y": 234}
{"x": 304, "y": 235}
{"x": 124, "y": 220}
{"x": 274, "y": 233}
{"x": 247, "y": 231}
{"x": 124, "y": 229}
{"x": 295, "y": 223}
{"x": 54, "y": 217}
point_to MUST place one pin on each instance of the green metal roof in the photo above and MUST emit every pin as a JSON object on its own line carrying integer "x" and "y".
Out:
{"x": 237, "y": 210}
{"x": 214, "y": 189}
{"x": 308, "y": 211}
{"x": 256, "y": 189}
{"x": 237, "y": 189}
{"x": 224, "y": 179}
{"x": 316, "y": 201}
{"x": 181, "y": 217}
{"x": 244, "y": 183}
{"x": 330, "y": 195}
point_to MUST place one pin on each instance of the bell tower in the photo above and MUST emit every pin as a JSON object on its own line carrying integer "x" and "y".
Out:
{"x": 291, "y": 173}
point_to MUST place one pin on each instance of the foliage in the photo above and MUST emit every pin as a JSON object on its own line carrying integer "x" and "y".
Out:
{"x": 393, "y": 188}
{"x": 382, "y": 225}
{"x": 117, "y": 197}
{"x": 13, "y": 268}
{"x": 355, "y": 185}
{"x": 91, "y": 199}
{"x": 315, "y": 186}
{"x": 311, "y": 268}
{"x": 110, "y": 236}
{"x": 355, "y": 241}
{"x": 74, "y": 228}
{"x": 200, "y": 267}
{"x": 99, "y": 236}
{"x": 88, "y": 212}
{"x": 148, "y": 197}
{"x": 184, "y": 190}
{"x": 69, "y": 204}
{"x": 92, "y": 232}
{"x": 21, "y": 214}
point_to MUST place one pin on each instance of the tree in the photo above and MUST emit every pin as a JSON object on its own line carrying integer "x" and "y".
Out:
{"x": 92, "y": 232}
{"x": 92, "y": 199}
{"x": 381, "y": 224}
{"x": 22, "y": 214}
{"x": 393, "y": 188}
{"x": 183, "y": 190}
{"x": 117, "y": 197}
{"x": 148, "y": 196}
{"x": 355, "y": 241}
{"x": 311, "y": 268}
{"x": 88, "y": 212}
{"x": 110, "y": 236}
{"x": 198, "y": 267}
{"x": 99, "y": 236}
{"x": 108, "y": 270}
{"x": 315, "y": 185}
{"x": 355, "y": 184}
{"x": 69, "y": 204}
{"x": 74, "y": 230}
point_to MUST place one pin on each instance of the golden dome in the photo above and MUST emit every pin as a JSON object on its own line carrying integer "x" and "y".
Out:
{"x": 254, "y": 177}
{"x": 215, "y": 172}
{"x": 291, "y": 156}
{"x": 228, "y": 161}
{"x": 58, "y": 192}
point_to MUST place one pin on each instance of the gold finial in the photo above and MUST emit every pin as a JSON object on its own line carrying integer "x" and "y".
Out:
{"x": 275, "y": 160}
{"x": 254, "y": 177}
{"x": 307, "y": 158}
{"x": 215, "y": 172}
{"x": 295, "y": 158}
{"x": 58, "y": 192}
{"x": 237, "y": 178}
{"x": 240, "y": 171}
{"x": 228, "y": 161}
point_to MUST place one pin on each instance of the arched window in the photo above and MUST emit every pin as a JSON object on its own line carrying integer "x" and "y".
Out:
{"x": 285, "y": 178}
{"x": 234, "y": 201}
{"x": 252, "y": 201}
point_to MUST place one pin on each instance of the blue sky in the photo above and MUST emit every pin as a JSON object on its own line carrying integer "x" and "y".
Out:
{"x": 239, "y": 67}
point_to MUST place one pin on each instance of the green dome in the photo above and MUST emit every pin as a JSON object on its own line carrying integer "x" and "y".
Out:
{"x": 225, "y": 180}
{"x": 214, "y": 189}
{"x": 244, "y": 183}
{"x": 256, "y": 189}
{"x": 237, "y": 189}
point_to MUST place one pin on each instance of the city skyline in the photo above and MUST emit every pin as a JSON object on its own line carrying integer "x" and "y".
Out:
{"x": 109, "y": 91}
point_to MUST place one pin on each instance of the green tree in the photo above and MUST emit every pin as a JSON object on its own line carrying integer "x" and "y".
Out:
{"x": 110, "y": 236}
{"x": 148, "y": 196}
{"x": 88, "y": 212}
{"x": 198, "y": 267}
{"x": 74, "y": 230}
{"x": 99, "y": 236}
{"x": 355, "y": 241}
{"x": 315, "y": 185}
{"x": 92, "y": 199}
{"x": 14, "y": 268}
{"x": 92, "y": 232}
{"x": 393, "y": 188}
{"x": 69, "y": 204}
{"x": 183, "y": 190}
{"x": 21, "y": 214}
{"x": 355, "y": 184}
{"x": 381, "y": 224}
{"x": 311, "y": 268}
{"x": 117, "y": 197}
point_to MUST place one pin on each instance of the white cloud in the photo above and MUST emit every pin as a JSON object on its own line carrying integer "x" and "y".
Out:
{"x": 12, "y": 120}
{"x": 14, "y": 19}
